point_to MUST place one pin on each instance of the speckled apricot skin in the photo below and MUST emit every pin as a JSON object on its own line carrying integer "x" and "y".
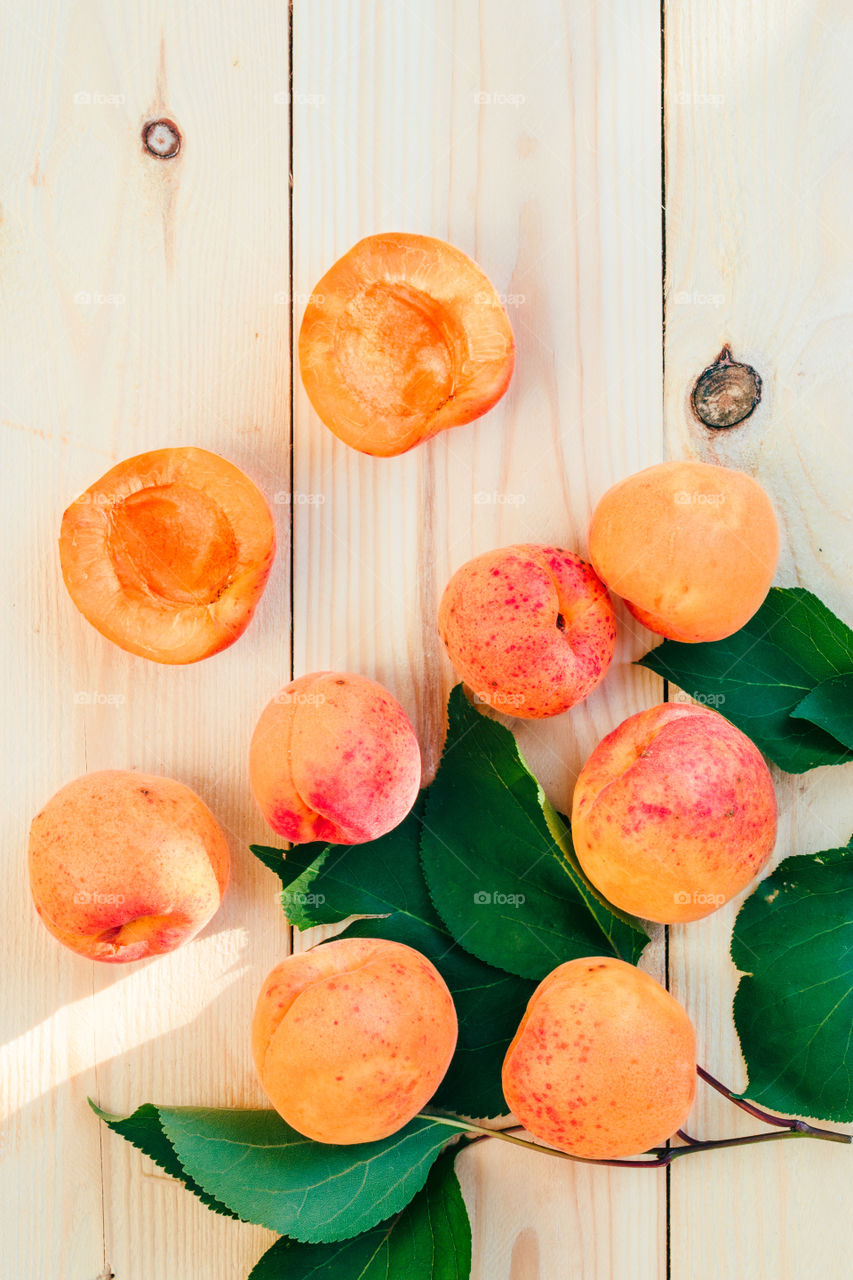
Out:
{"x": 603, "y": 1064}
{"x": 352, "y": 1038}
{"x": 530, "y": 629}
{"x": 334, "y": 757}
{"x": 126, "y": 865}
{"x": 674, "y": 813}
{"x": 691, "y": 548}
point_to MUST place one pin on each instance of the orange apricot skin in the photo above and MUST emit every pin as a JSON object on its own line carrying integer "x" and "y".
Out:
{"x": 168, "y": 554}
{"x": 691, "y": 548}
{"x": 403, "y": 337}
{"x": 674, "y": 813}
{"x": 603, "y": 1064}
{"x": 529, "y": 628}
{"x": 352, "y": 1038}
{"x": 126, "y": 865}
{"x": 334, "y": 757}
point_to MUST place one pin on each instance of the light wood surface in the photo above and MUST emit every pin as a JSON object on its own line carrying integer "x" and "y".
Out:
{"x": 759, "y": 253}
{"x": 147, "y": 303}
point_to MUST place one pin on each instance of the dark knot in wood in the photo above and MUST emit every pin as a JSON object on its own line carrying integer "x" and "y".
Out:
{"x": 726, "y": 392}
{"x": 162, "y": 138}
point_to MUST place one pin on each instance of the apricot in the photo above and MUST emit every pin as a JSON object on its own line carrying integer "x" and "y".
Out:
{"x": 353, "y": 1038}
{"x": 673, "y": 813}
{"x": 334, "y": 757}
{"x": 691, "y": 548}
{"x": 603, "y": 1064}
{"x": 402, "y": 338}
{"x": 168, "y": 554}
{"x": 530, "y": 629}
{"x": 126, "y": 865}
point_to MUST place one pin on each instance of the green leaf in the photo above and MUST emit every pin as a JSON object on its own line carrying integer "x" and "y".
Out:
{"x": 761, "y": 674}
{"x": 830, "y": 707}
{"x": 383, "y": 879}
{"x": 429, "y": 1240}
{"x": 143, "y": 1130}
{"x": 793, "y": 937}
{"x": 285, "y": 866}
{"x": 499, "y": 863}
{"x": 269, "y": 1174}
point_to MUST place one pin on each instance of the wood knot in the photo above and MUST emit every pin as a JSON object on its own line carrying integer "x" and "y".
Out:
{"x": 162, "y": 138}
{"x": 726, "y": 392}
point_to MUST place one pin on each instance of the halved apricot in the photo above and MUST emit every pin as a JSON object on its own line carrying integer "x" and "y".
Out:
{"x": 402, "y": 338}
{"x": 168, "y": 554}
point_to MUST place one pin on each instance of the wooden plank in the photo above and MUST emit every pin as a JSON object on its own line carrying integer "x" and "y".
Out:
{"x": 535, "y": 147}
{"x": 759, "y": 203}
{"x": 142, "y": 308}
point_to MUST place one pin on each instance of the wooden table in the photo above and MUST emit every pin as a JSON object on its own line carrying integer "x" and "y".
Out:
{"x": 151, "y": 302}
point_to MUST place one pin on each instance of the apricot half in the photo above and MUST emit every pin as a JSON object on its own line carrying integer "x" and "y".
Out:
{"x": 530, "y": 629}
{"x": 126, "y": 865}
{"x": 402, "y": 338}
{"x": 690, "y": 547}
{"x": 168, "y": 554}
{"x": 673, "y": 813}
{"x": 353, "y": 1038}
{"x": 334, "y": 757}
{"x": 603, "y": 1064}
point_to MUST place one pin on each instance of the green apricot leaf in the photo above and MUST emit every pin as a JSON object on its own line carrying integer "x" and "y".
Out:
{"x": 499, "y": 861}
{"x": 267, "y": 1173}
{"x": 793, "y": 939}
{"x": 285, "y": 867}
{"x": 383, "y": 880}
{"x": 429, "y": 1240}
{"x": 143, "y": 1130}
{"x": 830, "y": 707}
{"x": 759, "y": 677}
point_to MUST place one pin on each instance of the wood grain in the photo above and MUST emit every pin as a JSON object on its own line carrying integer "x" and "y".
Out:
{"x": 535, "y": 148}
{"x": 147, "y": 303}
{"x": 759, "y": 254}
{"x": 139, "y": 310}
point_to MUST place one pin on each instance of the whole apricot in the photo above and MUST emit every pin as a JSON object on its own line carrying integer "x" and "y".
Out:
{"x": 334, "y": 757}
{"x": 352, "y": 1038}
{"x": 690, "y": 547}
{"x": 603, "y": 1064}
{"x": 403, "y": 337}
{"x": 168, "y": 554}
{"x": 530, "y": 629}
{"x": 673, "y": 813}
{"x": 126, "y": 865}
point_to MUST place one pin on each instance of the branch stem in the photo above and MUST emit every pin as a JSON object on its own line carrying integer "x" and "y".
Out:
{"x": 660, "y": 1157}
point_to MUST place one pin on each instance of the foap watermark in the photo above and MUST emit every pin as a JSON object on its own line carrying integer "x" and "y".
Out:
{"x": 695, "y": 497}
{"x": 84, "y": 898}
{"x": 485, "y": 898}
{"x": 692, "y": 298}
{"x": 687, "y": 98}
{"x": 283, "y": 299}
{"x": 283, "y": 98}
{"x": 94, "y": 98}
{"x": 95, "y": 498}
{"x": 488, "y": 298}
{"x": 300, "y": 698}
{"x": 484, "y": 498}
{"x": 308, "y": 899}
{"x": 684, "y": 899}
{"x": 92, "y": 298}
{"x": 499, "y": 98}
{"x": 94, "y": 698}
{"x": 284, "y": 498}
{"x": 497, "y": 700}
{"x": 703, "y": 699}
